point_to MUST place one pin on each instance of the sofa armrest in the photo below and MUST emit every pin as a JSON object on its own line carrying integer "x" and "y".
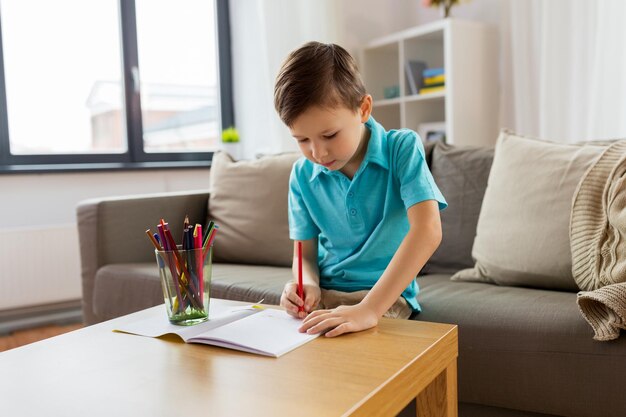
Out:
{"x": 112, "y": 230}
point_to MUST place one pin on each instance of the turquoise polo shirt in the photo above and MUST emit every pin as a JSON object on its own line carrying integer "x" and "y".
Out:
{"x": 360, "y": 223}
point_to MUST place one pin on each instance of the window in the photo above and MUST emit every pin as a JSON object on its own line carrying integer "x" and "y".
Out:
{"x": 112, "y": 84}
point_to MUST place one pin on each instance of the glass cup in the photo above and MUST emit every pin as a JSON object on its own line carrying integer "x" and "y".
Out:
{"x": 186, "y": 279}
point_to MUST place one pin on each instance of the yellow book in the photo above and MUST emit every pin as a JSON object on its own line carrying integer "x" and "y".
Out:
{"x": 437, "y": 79}
{"x": 427, "y": 90}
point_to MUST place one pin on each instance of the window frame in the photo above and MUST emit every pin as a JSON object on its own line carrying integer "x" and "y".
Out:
{"x": 135, "y": 157}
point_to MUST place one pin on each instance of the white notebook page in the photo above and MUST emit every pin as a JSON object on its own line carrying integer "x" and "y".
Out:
{"x": 269, "y": 332}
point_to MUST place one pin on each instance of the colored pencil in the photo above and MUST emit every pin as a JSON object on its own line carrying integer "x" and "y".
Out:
{"x": 197, "y": 244}
{"x": 171, "y": 264}
{"x": 300, "y": 287}
{"x": 154, "y": 241}
{"x": 209, "y": 241}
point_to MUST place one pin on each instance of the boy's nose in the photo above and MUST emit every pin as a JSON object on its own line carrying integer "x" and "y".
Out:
{"x": 319, "y": 151}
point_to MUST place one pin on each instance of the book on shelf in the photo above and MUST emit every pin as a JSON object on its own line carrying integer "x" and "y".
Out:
{"x": 433, "y": 72}
{"x": 253, "y": 329}
{"x": 428, "y": 90}
{"x": 414, "y": 70}
{"x": 433, "y": 85}
{"x": 437, "y": 79}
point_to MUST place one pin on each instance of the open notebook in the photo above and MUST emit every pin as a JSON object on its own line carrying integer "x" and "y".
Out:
{"x": 251, "y": 329}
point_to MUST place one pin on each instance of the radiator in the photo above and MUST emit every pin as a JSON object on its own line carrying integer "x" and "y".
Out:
{"x": 39, "y": 266}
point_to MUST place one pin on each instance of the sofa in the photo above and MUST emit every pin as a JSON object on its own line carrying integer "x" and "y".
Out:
{"x": 524, "y": 347}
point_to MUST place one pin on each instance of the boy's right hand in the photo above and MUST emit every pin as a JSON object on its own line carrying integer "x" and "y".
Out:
{"x": 290, "y": 301}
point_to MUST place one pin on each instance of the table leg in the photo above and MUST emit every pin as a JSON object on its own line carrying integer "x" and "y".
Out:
{"x": 439, "y": 399}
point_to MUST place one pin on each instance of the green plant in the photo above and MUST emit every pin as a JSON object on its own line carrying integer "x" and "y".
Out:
{"x": 230, "y": 135}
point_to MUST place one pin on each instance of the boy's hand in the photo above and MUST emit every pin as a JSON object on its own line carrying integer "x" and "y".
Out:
{"x": 340, "y": 320}
{"x": 290, "y": 301}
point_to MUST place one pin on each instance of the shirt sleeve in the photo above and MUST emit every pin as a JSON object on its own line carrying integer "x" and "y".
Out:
{"x": 416, "y": 182}
{"x": 301, "y": 224}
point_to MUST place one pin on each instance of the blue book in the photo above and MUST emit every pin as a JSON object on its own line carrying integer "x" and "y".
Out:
{"x": 431, "y": 72}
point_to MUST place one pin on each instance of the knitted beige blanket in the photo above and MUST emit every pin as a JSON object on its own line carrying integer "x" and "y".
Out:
{"x": 598, "y": 243}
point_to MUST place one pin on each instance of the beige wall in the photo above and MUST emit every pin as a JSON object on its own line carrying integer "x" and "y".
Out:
{"x": 364, "y": 20}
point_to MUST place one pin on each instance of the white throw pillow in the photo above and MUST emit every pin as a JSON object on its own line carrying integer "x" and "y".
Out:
{"x": 522, "y": 237}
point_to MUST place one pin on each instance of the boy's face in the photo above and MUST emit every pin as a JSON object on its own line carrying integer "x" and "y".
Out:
{"x": 334, "y": 137}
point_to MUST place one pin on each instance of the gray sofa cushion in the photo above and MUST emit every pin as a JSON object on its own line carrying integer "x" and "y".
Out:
{"x": 125, "y": 288}
{"x": 249, "y": 282}
{"x": 527, "y": 349}
{"x": 121, "y": 289}
{"x": 461, "y": 174}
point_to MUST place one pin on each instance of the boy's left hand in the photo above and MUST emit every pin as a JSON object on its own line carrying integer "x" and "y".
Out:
{"x": 340, "y": 320}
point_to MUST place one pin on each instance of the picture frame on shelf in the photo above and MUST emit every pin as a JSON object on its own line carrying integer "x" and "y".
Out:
{"x": 432, "y": 131}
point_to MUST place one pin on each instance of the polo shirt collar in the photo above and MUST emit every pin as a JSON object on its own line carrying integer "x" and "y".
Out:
{"x": 374, "y": 151}
{"x": 378, "y": 140}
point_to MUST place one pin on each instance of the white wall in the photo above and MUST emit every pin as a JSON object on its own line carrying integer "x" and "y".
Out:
{"x": 43, "y": 207}
{"x": 364, "y": 20}
{"x": 36, "y": 200}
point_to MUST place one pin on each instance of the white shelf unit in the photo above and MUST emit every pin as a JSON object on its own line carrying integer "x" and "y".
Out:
{"x": 468, "y": 52}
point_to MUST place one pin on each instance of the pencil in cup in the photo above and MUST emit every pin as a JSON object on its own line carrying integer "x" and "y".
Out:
{"x": 197, "y": 243}
{"x": 168, "y": 259}
{"x": 185, "y": 277}
{"x": 186, "y": 287}
{"x": 181, "y": 265}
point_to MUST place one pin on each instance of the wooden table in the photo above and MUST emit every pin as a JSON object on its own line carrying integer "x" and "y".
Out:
{"x": 97, "y": 372}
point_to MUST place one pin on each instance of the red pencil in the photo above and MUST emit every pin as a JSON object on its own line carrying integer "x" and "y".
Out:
{"x": 300, "y": 289}
{"x": 197, "y": 244}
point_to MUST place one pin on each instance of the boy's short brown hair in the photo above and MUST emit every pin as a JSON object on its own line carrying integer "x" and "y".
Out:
{"x": 317, "y": 74}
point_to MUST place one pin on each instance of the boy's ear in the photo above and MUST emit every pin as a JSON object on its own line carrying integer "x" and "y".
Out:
{"x": 366, "y": 108}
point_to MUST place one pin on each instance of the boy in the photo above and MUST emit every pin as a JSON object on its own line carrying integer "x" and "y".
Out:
{"x": 362, "y": 200}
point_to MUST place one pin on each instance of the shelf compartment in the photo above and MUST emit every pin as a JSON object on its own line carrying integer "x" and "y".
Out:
{"x": 418, "y": 112}
{"x": 427, "y": 48}
{"x": 381, "y": 69}
{"x": 388, "y": 115}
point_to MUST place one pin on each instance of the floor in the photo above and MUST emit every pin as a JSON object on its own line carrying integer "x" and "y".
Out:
{"x": 24, "y": 337}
